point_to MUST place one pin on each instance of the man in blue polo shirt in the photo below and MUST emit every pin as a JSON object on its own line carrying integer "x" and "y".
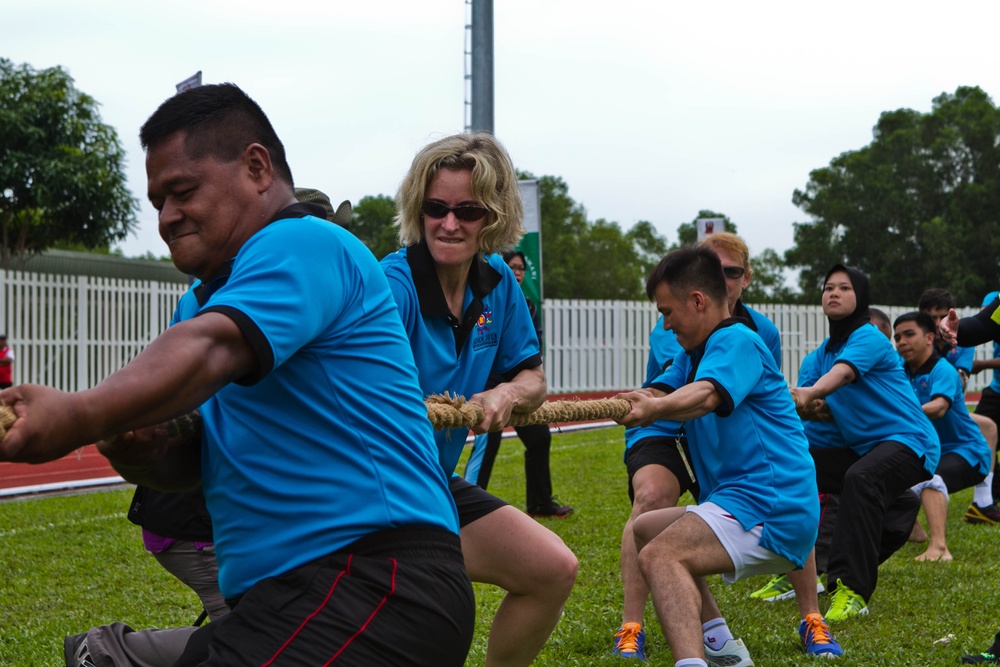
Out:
{"x": 936, "y": 302}
{"x": 315, "y": 453}
{"x": 758, "y": 512}
{"x": 965, "y": 456}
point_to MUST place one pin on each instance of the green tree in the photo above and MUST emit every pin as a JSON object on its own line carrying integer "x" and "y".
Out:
{"x": 584, "y": 260}
{"x": 372, "y": 222}
{"x": 918, "y": 207}
{"x": 61, "y": 168}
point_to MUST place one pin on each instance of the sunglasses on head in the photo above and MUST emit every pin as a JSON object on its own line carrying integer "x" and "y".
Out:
{"x": 437, "y": 210}
{"x": 733, "y": 272}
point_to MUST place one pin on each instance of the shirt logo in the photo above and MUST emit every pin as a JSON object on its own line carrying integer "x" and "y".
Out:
{"x": 484, "y": 321}
{"x": 484, "y": 339}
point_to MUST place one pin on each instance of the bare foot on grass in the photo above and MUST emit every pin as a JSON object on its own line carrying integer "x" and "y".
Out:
{"x": 935, "y": 554}
{"x": 918, "y": 534}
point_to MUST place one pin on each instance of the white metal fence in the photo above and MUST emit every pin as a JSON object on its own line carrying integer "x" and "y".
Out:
{"x": 70, "y": 332}
{"x": 602, "y": 345}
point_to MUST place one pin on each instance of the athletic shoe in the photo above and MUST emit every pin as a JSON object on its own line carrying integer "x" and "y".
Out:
{"x": 780, "y": 588}
{"x": 550, "y": 510}
{"x": 846, "y": 604}
{"x": 981, "y": 659}
{"x": 816, "y": 637}
{"x": 733, "y": 653}
{"x": 989, "y": 515}
{"x": 630, "y": 642}
{"x": 76, "y": 652}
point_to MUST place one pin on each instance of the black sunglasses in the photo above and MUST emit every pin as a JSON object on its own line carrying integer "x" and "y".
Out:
{"x": 733, "y": 272}
{"x": 437, "y": 210}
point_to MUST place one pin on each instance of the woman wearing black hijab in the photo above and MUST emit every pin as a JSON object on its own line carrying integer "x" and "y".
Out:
{"x": 890, "y": 443}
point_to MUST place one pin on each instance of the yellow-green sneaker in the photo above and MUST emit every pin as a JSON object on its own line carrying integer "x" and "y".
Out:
{"x": 780, "y": 588}
{"x": 845, "y": 604}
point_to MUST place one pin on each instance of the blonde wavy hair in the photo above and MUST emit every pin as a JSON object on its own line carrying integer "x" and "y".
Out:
{"x": 732, "y": 245}
{"x": 494, "y": 185}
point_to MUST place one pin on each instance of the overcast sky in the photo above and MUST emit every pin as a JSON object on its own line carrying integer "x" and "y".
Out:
{"x": 649, "y": 110}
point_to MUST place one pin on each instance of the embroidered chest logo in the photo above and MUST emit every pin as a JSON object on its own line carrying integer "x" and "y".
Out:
{"x": 484, "y": 338}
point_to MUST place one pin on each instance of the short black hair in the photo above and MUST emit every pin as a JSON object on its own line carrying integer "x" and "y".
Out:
{"x": 879, "y": 315}
{"x": 220, "y": 121}
{"x": 689, "y": 268}
{"x": 936, "y": 297}
{"x": 511, "y": 254}
{"x": 923, "y": 320}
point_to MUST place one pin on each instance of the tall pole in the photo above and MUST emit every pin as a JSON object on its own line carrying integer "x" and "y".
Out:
{"x": 482, "y": 66}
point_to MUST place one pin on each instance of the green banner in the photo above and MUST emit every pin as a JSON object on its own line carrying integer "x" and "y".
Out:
{"x": 531, "y": 243}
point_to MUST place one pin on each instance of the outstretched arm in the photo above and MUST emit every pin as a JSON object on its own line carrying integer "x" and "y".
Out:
{"x": 689, "y": 402}
{"x": 175, "y": 374}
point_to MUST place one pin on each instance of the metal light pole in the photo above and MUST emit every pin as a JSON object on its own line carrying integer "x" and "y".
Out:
{"x": 482, "y": 66}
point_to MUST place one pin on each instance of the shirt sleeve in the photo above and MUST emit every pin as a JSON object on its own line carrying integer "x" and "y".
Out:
{"x": 733, "y": 364}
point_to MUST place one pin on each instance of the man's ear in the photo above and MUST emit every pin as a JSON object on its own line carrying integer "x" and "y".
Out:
{"x": 698, "y": 299}
{"x": 258, "y": 163}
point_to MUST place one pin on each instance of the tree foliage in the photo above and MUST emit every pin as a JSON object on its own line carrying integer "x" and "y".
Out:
{"x": 918, "y": 207}
{"x": 584, "y": 260}
{"x": 61, "y": 168}
{"x": 372, "y": 222}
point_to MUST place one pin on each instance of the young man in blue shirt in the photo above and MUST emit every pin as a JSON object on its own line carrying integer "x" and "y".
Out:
{"x": 936, "y": 302}
{"x": 758, "y": 512}
{"x": 965, "y": 456}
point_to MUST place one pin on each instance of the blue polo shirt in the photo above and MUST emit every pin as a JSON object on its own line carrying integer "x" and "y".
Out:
{"x": 328, "y": 440}
{"x": 958, "y": 357}
{"x": 820, "y": 434}
{"x": 956, "y": 430}
{"x": 879, "y": 405}
{"x": 495, "y": 334}
{"x": 663, "y": 347}
{"x": 750, "y": 456}
{"x": 764, "y": 328}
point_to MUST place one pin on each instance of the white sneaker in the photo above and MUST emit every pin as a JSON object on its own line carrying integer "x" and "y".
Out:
{"x": 733, "y": 653}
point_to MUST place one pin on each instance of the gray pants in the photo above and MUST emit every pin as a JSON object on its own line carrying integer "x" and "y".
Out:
{"x": 118, "y": 645}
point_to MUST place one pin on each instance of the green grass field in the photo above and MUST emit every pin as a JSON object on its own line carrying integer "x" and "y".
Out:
{"x": 71, "y": 562}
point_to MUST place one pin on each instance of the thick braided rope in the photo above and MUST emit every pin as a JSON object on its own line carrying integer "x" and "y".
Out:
{"x": 446, "y": 411}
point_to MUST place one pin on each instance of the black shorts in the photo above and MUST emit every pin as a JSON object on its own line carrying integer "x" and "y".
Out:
{"x": 397, "y": 597}
{"x": 957, "y": 473}
{"x": 472, "y": 502}
{"x": 989, "y": 405}
{"x": 664, "y": 451}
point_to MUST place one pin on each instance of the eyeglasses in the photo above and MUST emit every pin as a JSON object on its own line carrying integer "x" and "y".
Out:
{"x": 520, "y": 268}
{"x": 437, "y": 210}
{"x": 733, "y": 272}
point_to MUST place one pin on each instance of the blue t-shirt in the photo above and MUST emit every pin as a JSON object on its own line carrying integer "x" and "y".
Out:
{"x": 495, "y": 335}
{"x": 879, "y": 405}
{"x": 663, "y": 347}
{"x": 820, "y": 434}
{"x": 764, "y": 328}
{"x": 750, "y": 456}
{"x": 956, "y": 430}
{"x": 959, "y": 357}
{"x": 328, "y": 441}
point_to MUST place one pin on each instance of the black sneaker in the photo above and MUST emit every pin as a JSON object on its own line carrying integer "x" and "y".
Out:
{"x": 550, "y": 510}
{"x": 76, "y": 652}
{"x": 981, "y": 659}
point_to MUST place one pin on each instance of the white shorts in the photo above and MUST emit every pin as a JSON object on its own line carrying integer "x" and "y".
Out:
{"x": 743, "y": 546}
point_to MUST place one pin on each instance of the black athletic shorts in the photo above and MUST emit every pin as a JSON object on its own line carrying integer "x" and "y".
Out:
{"x": 472, "y": 502}
{"x": 397, "y": 597}
{"x": 664, "y": 451}
{"x": 989, "y": 405}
